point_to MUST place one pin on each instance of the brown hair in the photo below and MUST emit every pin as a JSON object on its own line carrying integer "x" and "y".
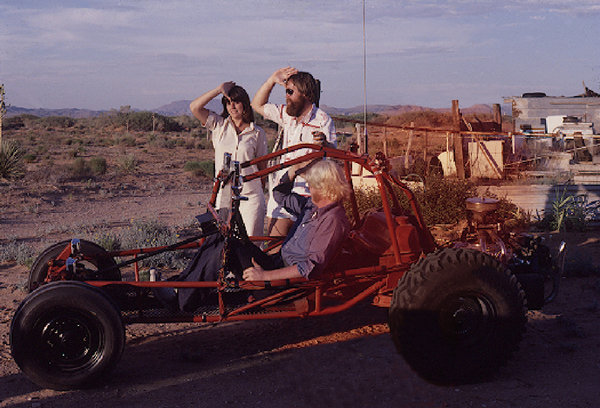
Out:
{"x": 239, "y": 94}
{"x": 308, "y": 85}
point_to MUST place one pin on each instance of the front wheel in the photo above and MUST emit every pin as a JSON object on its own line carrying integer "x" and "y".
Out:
{"x": 457, "y": 315}
{"x": 66, "y": 335}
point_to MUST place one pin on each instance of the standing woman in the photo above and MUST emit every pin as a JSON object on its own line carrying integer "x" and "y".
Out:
{"x": 234, "y": 132}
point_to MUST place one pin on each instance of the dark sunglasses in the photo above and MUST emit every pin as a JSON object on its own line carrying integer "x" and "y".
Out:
{"x": 289, "y": 91}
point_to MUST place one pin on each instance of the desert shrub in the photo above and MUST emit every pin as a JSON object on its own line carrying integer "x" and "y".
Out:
{"x": 427, "y": 118}
{"x": 144, "y": 122}
{"x": 57, "y": 122}
{"x": 141, "y": 234}
{"x": 187, "y": 122}
{"x": 29, "y": 158}
{"x": 19, "y": 252}
{"x": 204, "y": 168}
{"x": 97, "y": 165}
{"x": 41, "y": 149}
{"x": 14, "y": 122}
{"x": 11, "y": 161}
{"x": 104, "y": 142}
{"x": 204, "y": 144}
{"x": 127, "y": 141}
{"x": 198, "y": 133}
{"x": 569, "y": 213}
{"x": 24, "y": 120}
{"x": 442, "y": 201}
{"x": 80, "y": 169}
{"x": 165, "y": 142}
{"x": 107, "y": 240}
{"x": 127, "y": 164}
{"x": 76, "y": 152}
{"x": 371, "y": 118}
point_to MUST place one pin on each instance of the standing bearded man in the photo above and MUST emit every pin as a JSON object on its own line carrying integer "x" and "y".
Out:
{"x": 302, "y": 122}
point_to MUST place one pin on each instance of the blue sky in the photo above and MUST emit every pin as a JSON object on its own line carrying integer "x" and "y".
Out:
{"x": 109, "y": 53}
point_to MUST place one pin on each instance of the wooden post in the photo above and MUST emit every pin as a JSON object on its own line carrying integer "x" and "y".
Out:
{"x": 497, "y": 111}
{"x": 2, "y": 110}
{"x": 385, "y": 150}
{"x": 458, "y": 141}
{"x": 410, "y": 138}
{"x": 425, "y": 152}
{"x": 358, "y": 138}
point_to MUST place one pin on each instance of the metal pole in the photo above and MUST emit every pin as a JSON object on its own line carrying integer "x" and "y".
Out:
{"x": 366, "y": 150}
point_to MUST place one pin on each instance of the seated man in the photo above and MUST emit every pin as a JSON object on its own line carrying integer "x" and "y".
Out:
{"x": 320, "y": 229}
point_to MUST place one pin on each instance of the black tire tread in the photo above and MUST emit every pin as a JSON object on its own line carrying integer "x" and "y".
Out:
{"x": 79, "y": 297}
{"x": 422, "y": 278}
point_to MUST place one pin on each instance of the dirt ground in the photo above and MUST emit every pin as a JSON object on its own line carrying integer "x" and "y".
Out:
{"x": 342, "y": 360}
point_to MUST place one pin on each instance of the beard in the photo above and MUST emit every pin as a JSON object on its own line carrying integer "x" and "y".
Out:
{"x": 294, "y": 108}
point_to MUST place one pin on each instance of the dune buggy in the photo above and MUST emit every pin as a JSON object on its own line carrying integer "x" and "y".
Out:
{"x": 456, "y": 312}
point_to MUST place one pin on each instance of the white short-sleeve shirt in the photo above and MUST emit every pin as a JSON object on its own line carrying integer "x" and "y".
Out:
{"x": 249, "y": 144}
{"x": 296, "y": 132}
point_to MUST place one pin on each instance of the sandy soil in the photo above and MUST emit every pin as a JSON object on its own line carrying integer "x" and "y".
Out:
{"x": 342, "y": 360}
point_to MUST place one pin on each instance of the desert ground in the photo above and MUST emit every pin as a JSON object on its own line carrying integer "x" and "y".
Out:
{"x": 344, "y": 360}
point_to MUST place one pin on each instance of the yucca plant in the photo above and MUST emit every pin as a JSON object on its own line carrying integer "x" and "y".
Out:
{"x": 11, "y": 161}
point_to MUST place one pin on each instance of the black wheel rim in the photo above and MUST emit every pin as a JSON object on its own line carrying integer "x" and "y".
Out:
{"x": 69, "y": 340}
{"x": 467, "y": 318}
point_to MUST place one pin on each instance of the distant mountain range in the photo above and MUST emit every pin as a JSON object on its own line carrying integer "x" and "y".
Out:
{"x": 182, "y": 107}
{"x": 400, "y": 109}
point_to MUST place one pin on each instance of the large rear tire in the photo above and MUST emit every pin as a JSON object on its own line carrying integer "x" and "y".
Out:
{"x": 66, "y": 335}
{"x": 97, "y": 260}
{"x": 457, "y": 316}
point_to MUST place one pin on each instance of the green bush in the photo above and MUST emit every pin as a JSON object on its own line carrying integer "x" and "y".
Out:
{"x": 80, "y": 169}
{"x": 205, "y": 144}
{"x": 569, "y": 213}
{"x": 205, "y": 168}
{"x": 24, "y": 120}
{"x": 442, "y": 201}
{"x": 97, "y": 165}
{"x": 187, "y": 122}
{"x": 107, "y": 240}
{"x": 29, "y": 158}
{"x": 11, "y": 161}
{"x": 106, "y": 141}
{"x": 128, "y": 164}
{"x": 14, "y": 122}
{"x": 57, "y": 122}
{"x": 142, "y": 121}
{"x": 127, "y": 141}
{"x": 164, "y": 142}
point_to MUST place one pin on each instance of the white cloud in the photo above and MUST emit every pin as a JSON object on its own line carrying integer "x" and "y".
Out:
{"x": 150, "y": 49}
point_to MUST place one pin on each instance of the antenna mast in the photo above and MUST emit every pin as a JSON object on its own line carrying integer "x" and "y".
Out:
{"x": 366, "y": 147}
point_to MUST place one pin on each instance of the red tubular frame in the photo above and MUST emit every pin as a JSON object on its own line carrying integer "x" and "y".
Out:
{"x": 373, "y": 280}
